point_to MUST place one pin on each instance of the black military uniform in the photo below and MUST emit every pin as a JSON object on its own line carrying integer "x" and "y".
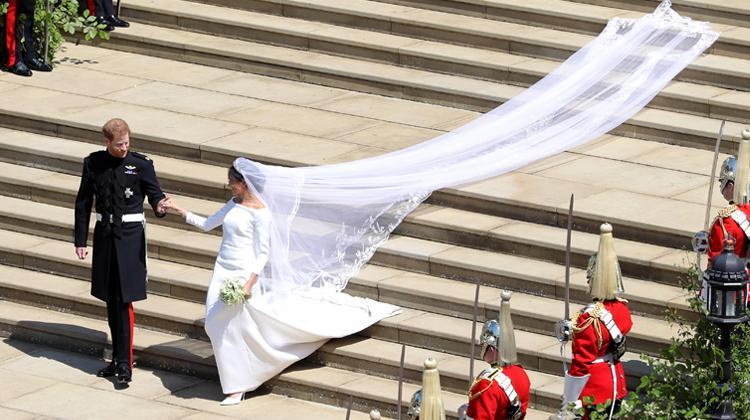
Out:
{"x": 118, "y": 272}
{"x": 19, "y": 48}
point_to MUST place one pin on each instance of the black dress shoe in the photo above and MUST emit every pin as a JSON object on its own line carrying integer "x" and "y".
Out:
{"x": 20, "y": 69}
{"x": 108, "y": 26}
{"x": 39, "y": 65}
{"x": 116, "y": 21}
{"x": 124, "y": 374}
{"x": 109, "y": 371}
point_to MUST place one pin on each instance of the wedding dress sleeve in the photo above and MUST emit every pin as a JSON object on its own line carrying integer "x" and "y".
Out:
{"x": 212, "y": 221}
{"x": 262, "y": 240}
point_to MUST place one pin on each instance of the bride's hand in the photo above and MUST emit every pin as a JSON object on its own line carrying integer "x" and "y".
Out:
{"x": 170, "y": 204}
{"x": 246, "y": 289}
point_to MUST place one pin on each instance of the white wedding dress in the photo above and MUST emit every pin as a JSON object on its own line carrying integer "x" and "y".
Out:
{"x": 255, "y": 341}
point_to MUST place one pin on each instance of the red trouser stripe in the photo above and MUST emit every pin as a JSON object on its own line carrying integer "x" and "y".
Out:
{"x": 10, "y": 32}
{"x": 92, "y": 7}
{"x": 131, "y": 317}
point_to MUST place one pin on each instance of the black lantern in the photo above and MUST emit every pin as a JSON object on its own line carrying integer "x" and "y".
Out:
{"x": 726, "y": 282}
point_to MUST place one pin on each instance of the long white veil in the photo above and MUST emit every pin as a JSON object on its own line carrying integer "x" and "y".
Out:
{"x": 329, "y": 220}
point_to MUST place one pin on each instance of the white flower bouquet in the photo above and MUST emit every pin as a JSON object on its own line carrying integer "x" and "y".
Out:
{"x": 232, "y": 292}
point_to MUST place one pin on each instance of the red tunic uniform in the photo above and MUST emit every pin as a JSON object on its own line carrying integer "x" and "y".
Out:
{"x": 586, "y": 350}
{"x": 487, "y": 401}
{"x": 717, "y": 234}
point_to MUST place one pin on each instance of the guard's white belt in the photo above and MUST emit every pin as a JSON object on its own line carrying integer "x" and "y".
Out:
{"x": 126, "y": 218}
{"x": 741, "y": 219}
{"x": 504, "y": 382}
{"x": 614, "y": 331}
{"x": 607, "y": 358}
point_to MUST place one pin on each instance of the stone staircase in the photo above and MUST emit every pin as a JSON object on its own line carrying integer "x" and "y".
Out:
{"x": 352, "y": 79}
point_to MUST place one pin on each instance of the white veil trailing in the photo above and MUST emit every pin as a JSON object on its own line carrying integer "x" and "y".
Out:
{"x": 329, "y": 220}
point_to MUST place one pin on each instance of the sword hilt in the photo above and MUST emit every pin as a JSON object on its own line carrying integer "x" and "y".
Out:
{"x": 564, "y": 330}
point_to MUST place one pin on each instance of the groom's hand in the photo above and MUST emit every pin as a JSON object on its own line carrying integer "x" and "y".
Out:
{"x": 81, "y": 252}
{"x": 163, "y": 205}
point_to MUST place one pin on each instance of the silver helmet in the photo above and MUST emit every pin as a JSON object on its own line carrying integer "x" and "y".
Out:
{"x": 415, "y": 406}
{"x": 727, "y": 173}
{"x": 490, "y": 336}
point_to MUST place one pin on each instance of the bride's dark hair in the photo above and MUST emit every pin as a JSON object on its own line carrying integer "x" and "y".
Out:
{"x": 255, "y": 177}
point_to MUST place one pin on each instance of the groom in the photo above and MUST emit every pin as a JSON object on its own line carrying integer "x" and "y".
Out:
{"x": 119, "y": 179}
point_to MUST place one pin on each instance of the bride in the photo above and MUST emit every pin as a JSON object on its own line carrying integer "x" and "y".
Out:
{"x": 254, "y": 341}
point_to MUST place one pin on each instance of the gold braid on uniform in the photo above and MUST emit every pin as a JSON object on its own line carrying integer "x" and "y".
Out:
{"x": 723, "y": 214}
{"x": 491, "y": 378}
{"x": 594, "y": 315}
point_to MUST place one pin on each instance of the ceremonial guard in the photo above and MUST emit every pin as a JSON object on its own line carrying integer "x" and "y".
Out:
{"x": 726, "y": 178}
{"x": 20, "y": 49}
{"x": 119, "y": 179}
{"x": 596, "y": 375}
{"x": 733, "y": 220}
{"x": 502, "y": 390}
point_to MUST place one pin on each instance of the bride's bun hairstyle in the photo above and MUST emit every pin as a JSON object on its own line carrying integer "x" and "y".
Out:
{"x": 254, "y": 176}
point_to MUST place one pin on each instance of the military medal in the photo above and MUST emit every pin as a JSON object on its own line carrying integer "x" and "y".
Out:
{"x": 128, "y": 192}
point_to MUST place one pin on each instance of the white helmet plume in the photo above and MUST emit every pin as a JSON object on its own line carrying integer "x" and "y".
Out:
{"x": 606, "y": 279}
{"x": 432, "y": 396}
{"x": 507, "y": 342}
{"x": 742, "y": 174}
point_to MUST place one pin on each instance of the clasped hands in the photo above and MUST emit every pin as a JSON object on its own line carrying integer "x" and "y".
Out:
{"x": 167, "y": 203}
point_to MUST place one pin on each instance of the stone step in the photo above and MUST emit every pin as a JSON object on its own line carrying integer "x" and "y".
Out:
{"x": 517, "y": 39}
{"x": 53, "y": 256}
{"x": 410, "y": 52}
{"x": 430, "y": 222}
{"x": 644, "y": 175}
{"x": 468, "y": 228}
{"x": 390, "y": 80}
{"x": 572, "y": 16}
{"x": 158, "y": 312}
{"x": 163, "y": 351}
{"x": 425, "y": 330}
{"x": 382, "y": 358}
{"x": 412, "y": 254}
{"x": 537, "y": 241}
{"x": 185, "y": 246}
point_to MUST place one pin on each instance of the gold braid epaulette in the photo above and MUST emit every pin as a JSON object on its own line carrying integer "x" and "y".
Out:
{"x": 594, "y": 315}
{"x": 723, "y": 214}
{"x": 481, "y": 377}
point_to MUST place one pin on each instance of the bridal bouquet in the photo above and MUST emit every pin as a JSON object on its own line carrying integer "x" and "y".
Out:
{"x": 231, "y": 292}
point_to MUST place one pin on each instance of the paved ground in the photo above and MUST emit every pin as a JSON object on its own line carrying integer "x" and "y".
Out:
{"x": 39, "y": 382}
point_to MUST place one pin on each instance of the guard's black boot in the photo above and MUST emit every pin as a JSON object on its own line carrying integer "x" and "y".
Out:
{"x": 108, "y": 371}
{"x": 39, "y": 65}
{"x": 20, "y": 69}
{"x": 108, "y": 26}
{"x": 116, "y": 21}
